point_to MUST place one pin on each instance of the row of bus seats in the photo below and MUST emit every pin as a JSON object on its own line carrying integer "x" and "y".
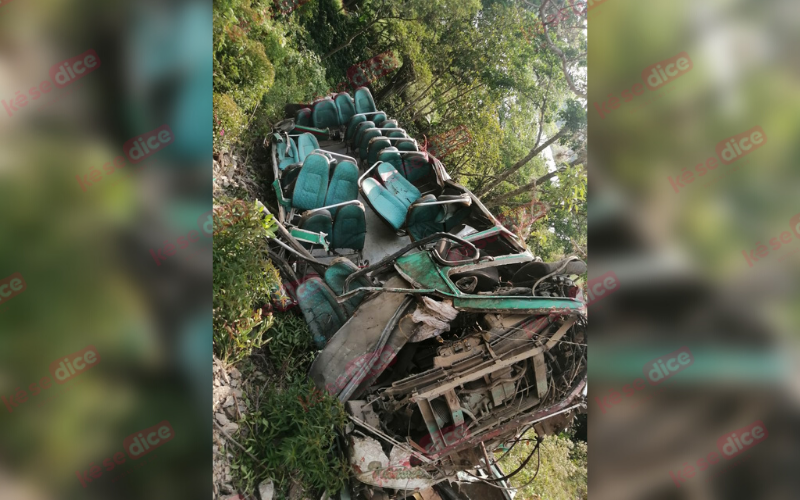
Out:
{"x": 333, "y": 112}
{"x": 402, "y": 205}
{"x": 329, "y": 201}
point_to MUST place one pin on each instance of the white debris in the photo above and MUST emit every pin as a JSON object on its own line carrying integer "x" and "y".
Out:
{"x": 435, "y": 318}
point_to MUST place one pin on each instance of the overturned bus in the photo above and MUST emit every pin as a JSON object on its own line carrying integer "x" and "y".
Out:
{"x": 445, "y": 338}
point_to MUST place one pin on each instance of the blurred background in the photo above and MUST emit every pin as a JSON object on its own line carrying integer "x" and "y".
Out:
{"x": 678, "y": 256}
{"x": 85, "y": 253}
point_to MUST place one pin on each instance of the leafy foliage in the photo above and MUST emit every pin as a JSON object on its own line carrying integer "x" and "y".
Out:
{"x": 290, "y": 346}
{"x": 242, "y": 279}
{"x": 563, "y": 469}
{"x": 293, "y": 432}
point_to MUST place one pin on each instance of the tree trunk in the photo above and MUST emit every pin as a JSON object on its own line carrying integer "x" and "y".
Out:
{"x": 514, "y": 168}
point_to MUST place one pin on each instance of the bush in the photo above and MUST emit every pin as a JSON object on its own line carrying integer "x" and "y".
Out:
{"x": 228, "y": 122}
{"x": 242, "y": 278}
{"x": 563, "y": 471}
{"x": 291, "y": 348}
{"x": 293, "y": 432}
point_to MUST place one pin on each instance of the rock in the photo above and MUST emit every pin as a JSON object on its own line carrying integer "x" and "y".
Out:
{"x": 230, "y": 429}
{"x": 266, "y": 489}
{"x": 235, "y": 373}
{"x": 228, "y": 402}
{"x": 222, "y": 419}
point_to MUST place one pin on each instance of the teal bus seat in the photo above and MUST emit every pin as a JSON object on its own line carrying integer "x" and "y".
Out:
{"x": 406, "y": 146}
{"x": 384, "y": 203}
{"x": 344, "y": 107}
{"x": 306, "y": 144}
{"x": 389, "y": 124}
{"x": 318, "y": 221}
{"x": 349, "y": 228}
{"x": 343, "y": 186}
{"x": 287, "y": 153}
{"x": 379, "y": 118}
{"x": 364, "y": 101}
{"x": 392, "y": 157}
{"x": 311, "y": 186}
{"x": 426, "y": 220}
{"x": 366, "y": 136}
{"x": 353, "y": 126}
{"x": 417, "y": 167}
{"x": 340, "y": 269}
{"x": 360, "y": 128}
{"x": 406, "y": 192}
{"x": 325, "y": 114}
{"x": 398, "y": 134}
{"x": 320, "y": 309}
{"x": 303, "y": 117}
{"x": 376, "y": 145}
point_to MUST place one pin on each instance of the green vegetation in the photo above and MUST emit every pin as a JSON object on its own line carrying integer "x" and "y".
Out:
{"x": 242, "y": 280}
{"x": 562, "y": 473}
{"x": 293, "y": 432}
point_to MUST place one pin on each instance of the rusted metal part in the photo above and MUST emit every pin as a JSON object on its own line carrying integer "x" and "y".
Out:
{"x": 523, "y": 420}
{"x": 540, "y": 370}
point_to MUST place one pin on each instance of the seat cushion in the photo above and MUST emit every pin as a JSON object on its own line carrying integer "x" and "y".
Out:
{"x": 406, "y": 192}
{"x": 312, "y": 183}
{"x": 287, "y": 153}
{"x": 385, "y": 204}
{"x": 306, "y": 144}
{"x": 349, "y": 228}
{"x": 303, "y": 117}
{"x": 425, "y": 221}
{"x": 321, "y": 311}
{"x": 352, "y": 126}
{"x": 376, "y": 147}
{"x": 325, "y": 114}
{"x": 363, "y": 101}
{"x": 343, "y": 186}
{"x": 366, "y": 136}
{"x": 344, "y": 107}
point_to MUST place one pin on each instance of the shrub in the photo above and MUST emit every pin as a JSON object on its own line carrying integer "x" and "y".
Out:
{"x": 228, "y": 122}
{"x": 291, "y": 348}
{"x": 293, "y": 432}
{"x": 242, "y": 278}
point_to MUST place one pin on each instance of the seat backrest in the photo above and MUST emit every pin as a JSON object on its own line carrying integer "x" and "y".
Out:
{"x": 364, "y": 101}
{"x": 398, "y": 134}
{"x": 287, "y": 153}
{"x": 306, "y": 144}
{"x": 360, "y": 128}
{"x": 406, "y": 192}
{"x": 385, "y": 204}
{"x": 363, "y": 144}
{"x": 377, "y": 145}
{"x": 390, "y": 155}
{"x": 340, "y": 269}
{"x": 320, "y": 309}
{"x": 389, "y": 124}
{"x": 406, "y": 146}
{"x": 325, "y": 114}
{"x": 417, "y": 167}
{"x": 425, "y": 221}
{"x": 343, "y": 186}
{"x": 353, "y": 126}
{"x": 379, "y": 118}
{"x": 303, "y": 117}
{"x": 312, "y": 183}
{"x": 318, "y": 221}
{"x": 349, "y": 228}
{"x": 345, "y": 107}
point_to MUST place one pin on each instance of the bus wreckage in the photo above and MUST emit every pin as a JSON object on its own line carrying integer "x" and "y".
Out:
{"x": 445, "y": 338}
